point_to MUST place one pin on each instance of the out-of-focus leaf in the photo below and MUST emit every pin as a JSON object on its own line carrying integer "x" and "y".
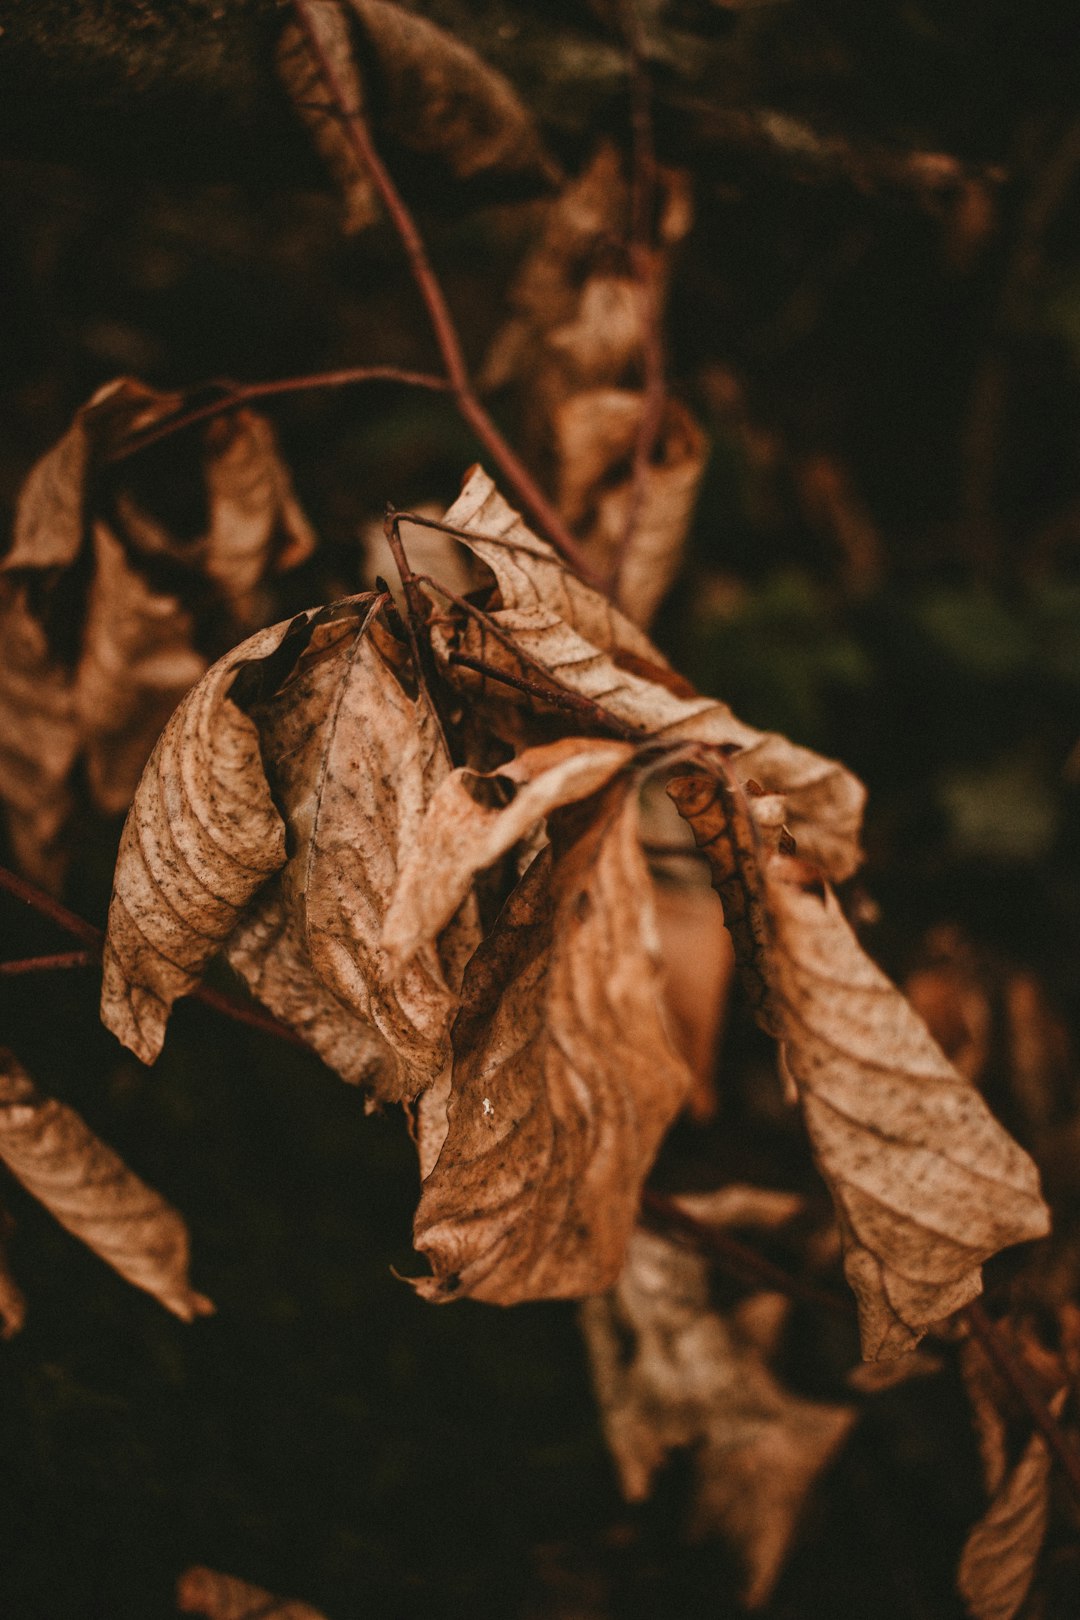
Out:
{"x": 564, "y": 1080}
{"x": 91, "y": 1191}
{"x": 429, "y": 92}
{"x": 12, "y": 1298}
{"x": 997, "y": 1565}
{"x": 225, "y": 1597}
{"x": 671, "y": 1372}
{"x": 925, "y": 1182}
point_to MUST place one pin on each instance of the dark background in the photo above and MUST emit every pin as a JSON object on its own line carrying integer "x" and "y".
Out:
{"x": 884, "y": 565}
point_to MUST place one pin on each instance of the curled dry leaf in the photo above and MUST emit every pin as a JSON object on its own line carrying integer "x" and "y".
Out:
{"x": 225, "y": 1597}
{"x": 430, "y": 93}
{"x": 460, "y": 836}
{"x": 596, "y": 432}
{"x": 998, "y": 1562}
{"x": 91, "y": 1191}
{"x": 200, "y": 840}
{"x": 671, "y": 1372}
{"x": 564, "y": 627}
{"x": 99, "y": 604}
{"x": 926, "y": 1184}
{"x": 564, "y": 1080}
{"x": 697, "y": 967}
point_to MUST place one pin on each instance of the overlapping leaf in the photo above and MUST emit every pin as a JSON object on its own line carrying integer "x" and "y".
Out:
{"x": 104, "y": 609}
{"x": 412, "y": 81}
{"x": 564, "y": 1080}
{"x": 671, "y": 1372}
{"x": 548, "y": 617}
{"x": 91, "y": 1191}
{"x": 925, "y": 1182}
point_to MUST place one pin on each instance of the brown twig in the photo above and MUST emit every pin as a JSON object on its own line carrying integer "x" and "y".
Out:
{"x": 48, "y": 964}
{"x": 644, "y": 265}
{"x": 558, "y": 699}
{"x": 93, "y": 937}
{"x": 442, "y": 322}
{"x": 1014, "y": 1371}
{"x": 236, "y": 394}
{"x": 743, "y": 1262}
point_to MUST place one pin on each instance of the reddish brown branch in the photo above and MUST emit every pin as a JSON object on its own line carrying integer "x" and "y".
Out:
{"x": 48, "y": 964}
{"x": 442, "y": 322}
{"x": 46, "y": 906}
{"x": 236, "y": 394}
{"x": 1014, "y": 1371}
{"x": 739, "y": 1259}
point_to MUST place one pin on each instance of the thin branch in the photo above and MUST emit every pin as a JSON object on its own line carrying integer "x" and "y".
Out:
{"x": 1014, "y": 1371}
{"x": 558, "y": 699}
{"x": 46, "y": 906}
{"x": 739, "y": 1259}
{"x": 236, "y": 394}
{"x": 442, "y": 322}
{"x": 48, "y": 964}
{"x": 644, "y": 264}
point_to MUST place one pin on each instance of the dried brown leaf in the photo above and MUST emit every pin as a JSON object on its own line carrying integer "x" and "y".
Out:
{"x": 201, "y": 838}
{"x": 431, "y": 94}
{"x": 926, "y": 1183}
{"x": 998, "y": 1562}
{"x": 91, "y": 1191}
{"x": 97, "y": 651}
{"x": 671, "y": 1372}
{"x": 592, "y": 650}
{"x": 460, "y": 836}
{"x": 697, "y": 963}
{"x": 564, "y": 1081}
{"x": 12, "y": 1298}
{"x": 982, "y": 1383}
{"x": 225, "y": 1597}
{"x": 596, "y": 432}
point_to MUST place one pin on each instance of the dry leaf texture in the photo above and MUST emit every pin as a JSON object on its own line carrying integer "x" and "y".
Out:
{"x": 432, "y": 95}
{"x": 91, "y": 1191}
{"x": 225, "y": 1597}
{"x": 926, "y": 1184}
{"x": 590, "y": 649}
{"x": 671, "y": 1372}
{"x": 564, "y": 1079}
{"x": 96, "y": 668}
{"x": 998, "y": 1562}
{"x": 201, "y": 838}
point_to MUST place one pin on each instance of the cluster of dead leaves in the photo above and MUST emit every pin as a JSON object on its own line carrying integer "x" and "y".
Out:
{"x": 109, "y": 613}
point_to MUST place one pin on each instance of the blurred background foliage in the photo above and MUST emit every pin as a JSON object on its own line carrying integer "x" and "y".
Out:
{"x": 877, "y": 316}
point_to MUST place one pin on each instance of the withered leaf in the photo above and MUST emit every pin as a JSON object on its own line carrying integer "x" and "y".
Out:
{"x": 12, "y": 1298}
{"x": 431, "y": 94}
{"x": 91, "y": 1191}
{"x": 354, "y": 760}
{"x": 98, "y": 640}
{"x": 564, "y": 1081}
{"x": 997, "y": 1565}
{"x": 590, "y": 648}
{"x": 460, "y": 836}
{"x": 632, "y": 534}
{"x": 225, "y": 1597}
{"x": 201, "y": 838}
{"x": 926, "y": 1184}
{"x": 671, "y": 1372}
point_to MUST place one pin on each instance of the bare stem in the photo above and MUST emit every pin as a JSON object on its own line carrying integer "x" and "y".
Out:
{"x": 46, "y": 906}
{"x": 546, "y": 694}
{"x": 1014, "y": 1371}
{"x": 442, "y": 322}
{"x": 48, "y": 964}
{"x": 237, "y": 394}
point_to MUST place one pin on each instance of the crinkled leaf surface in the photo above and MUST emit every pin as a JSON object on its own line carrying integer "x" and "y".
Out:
{"x": 91, "y": 1191}
{"x": 927, "y": 1185}
{"x": 671, "y": 1372}
{"x": 564, "y": 1080}
{"x": 565, "y": 627}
